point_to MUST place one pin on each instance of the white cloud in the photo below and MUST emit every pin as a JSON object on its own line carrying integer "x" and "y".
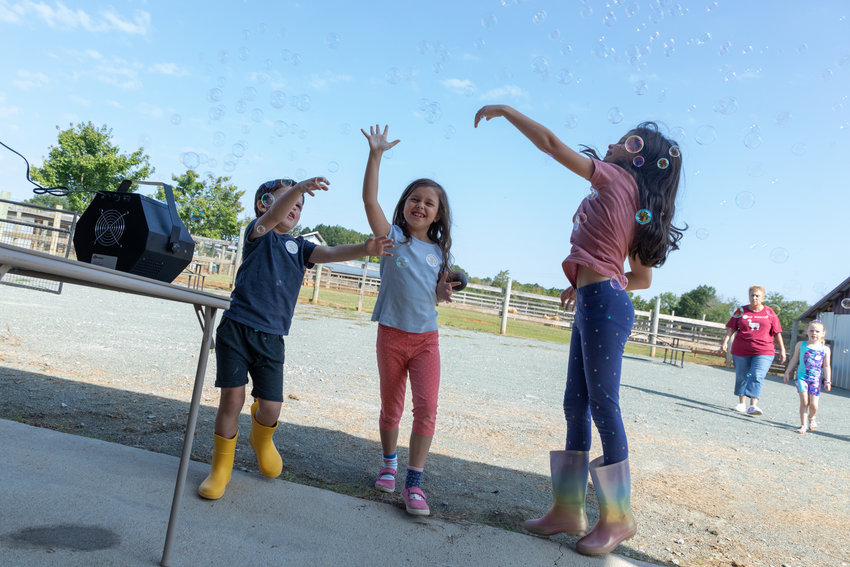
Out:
{"x": 150, "y": 110}
{"x": 168, "y": 69}
{"x": 328, "y": 79}
{"x": 59, "y": 16}
{"x": 11, "y": 14}
{"x": 504, "y": 92}
{"x": 459, "y": 86}
{"x": 80, "y": 100}
{"x": 28, "y": 80}
{"x": 120, "y": 77}
{"x": 7, "y": 111}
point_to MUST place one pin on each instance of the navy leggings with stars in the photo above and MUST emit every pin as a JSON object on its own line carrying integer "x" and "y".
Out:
{"x": 603, "y": 322}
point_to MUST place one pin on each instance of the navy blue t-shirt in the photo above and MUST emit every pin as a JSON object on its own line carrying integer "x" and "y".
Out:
{"x": 268, "y": 281}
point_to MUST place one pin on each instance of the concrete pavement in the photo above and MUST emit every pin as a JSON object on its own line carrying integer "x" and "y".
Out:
{"x": 74, "y": 501}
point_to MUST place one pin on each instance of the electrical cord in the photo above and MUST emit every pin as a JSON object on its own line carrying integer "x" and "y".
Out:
{"x": 56, "y": 191}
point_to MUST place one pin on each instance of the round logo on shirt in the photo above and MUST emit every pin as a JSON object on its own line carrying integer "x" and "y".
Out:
{"x": 291, "y": 247}
{"x": 432, "y": 260}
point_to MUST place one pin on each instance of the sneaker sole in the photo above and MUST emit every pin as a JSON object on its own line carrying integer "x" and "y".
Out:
{"x": 418, "y": 512}
{"x": 384, "y": 489}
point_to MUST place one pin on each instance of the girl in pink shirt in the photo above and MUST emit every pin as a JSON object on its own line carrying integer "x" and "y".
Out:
{"x": 627, "y": 216}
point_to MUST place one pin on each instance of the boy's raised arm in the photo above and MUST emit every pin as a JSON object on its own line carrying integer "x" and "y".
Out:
{"x": 374, "y": 246}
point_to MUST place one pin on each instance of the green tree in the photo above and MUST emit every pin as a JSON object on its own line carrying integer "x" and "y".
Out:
{"x": 785, "y": 309}
{"x": 669, "y": 302}
{"x": 86, "y": 160}
{"x": 501, "y": 279}
{"x": 208, "y": 207}
{"x": 46, "y": 200}
{"x": 694, "y": 304}
{"x": 640, "y": 303}
{"x": 336, "y": 235}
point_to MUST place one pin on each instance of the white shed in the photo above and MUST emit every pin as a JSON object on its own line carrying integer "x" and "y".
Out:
{"x": 836, "y": 321}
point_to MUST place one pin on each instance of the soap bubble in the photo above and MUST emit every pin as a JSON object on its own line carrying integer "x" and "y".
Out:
{"x": 615, "y": 115}
{"x": 663, "y": 163}
{"x": 619, "y": 282}
{"x": 779, "y": 255}
{"x": 634, "y": 144}
{"x": 705, "y": 135}
{"x": 745, "y": 200}
{"x": 643, "y": 216}
{"x": 402, "y": 262}
{"x": 638, "y": 161}
{"x": 190, "y": 159}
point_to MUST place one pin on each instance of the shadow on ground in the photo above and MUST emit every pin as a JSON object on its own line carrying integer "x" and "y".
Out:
{"x": 459, "y": 491}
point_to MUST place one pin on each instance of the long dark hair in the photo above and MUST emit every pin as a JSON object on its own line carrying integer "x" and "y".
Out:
{"x": 440, "y": 230}
{"x": 656, "y": 169}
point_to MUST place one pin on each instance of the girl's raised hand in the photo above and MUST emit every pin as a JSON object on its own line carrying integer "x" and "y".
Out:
{"x": 311, "y": 185}
{"x": 489, "y": 112}
{"x": 378, "y": 140}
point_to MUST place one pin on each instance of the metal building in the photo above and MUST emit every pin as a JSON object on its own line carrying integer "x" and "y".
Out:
{"x": 833, "y": 310}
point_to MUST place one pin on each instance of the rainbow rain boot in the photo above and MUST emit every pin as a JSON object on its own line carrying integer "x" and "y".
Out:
{"x": 613, "y": 486}
{"x": 569, "y": 489}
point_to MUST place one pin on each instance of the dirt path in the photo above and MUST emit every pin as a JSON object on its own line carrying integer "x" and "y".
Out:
{"x": 711, "y": 487}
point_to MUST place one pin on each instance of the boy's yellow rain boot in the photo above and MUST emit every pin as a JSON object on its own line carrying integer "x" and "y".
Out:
{"x": 222, "y": 465}
{"x": 268, "y": 459}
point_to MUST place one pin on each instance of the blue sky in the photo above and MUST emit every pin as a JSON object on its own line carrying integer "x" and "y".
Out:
{"x": 755, "y": 92}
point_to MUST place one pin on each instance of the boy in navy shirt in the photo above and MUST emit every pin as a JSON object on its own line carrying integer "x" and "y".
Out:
{"x": 249, "y": 339}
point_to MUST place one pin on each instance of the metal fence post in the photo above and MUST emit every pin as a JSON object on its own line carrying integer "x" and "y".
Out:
{"x": 316, "y": 282}
{"x": 653, "y": 334}
{"x": 362, "y": 285}
{"x": 505, "y": 306}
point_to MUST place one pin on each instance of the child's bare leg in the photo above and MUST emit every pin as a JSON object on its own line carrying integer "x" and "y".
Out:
{"x": 268, "y": 412}
{"x": 419, "y": 447}
{"x": 229, "y": 408}
{"x": 813, "y": 409}
{"x": 389, "y": 440}
{"x": 804, "y": 412}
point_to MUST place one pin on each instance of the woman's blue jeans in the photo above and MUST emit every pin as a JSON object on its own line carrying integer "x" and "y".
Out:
{"x": 749, "y": 374}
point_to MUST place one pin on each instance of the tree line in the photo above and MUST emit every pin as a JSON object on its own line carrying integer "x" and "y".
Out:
{"x": 85, "y": 161}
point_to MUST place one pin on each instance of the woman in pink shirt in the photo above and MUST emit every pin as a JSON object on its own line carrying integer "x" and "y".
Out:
{"x": 755, "y": 327}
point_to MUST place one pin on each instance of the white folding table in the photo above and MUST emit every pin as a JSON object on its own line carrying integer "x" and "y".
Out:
{"x": 37, "y": 264}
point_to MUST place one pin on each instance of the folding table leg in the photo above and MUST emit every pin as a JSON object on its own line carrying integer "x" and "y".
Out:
{"x": 209, "y": 318}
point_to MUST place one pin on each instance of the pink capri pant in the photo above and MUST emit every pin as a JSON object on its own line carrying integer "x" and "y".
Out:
{"x": 418, "y": 354}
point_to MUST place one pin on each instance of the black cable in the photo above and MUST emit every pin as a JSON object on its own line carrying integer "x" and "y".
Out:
{"x": 57, "y": 191}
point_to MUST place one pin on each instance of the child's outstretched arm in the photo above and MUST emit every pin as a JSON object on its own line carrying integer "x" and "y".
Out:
{"x": 281, "y": 206}
{"x": 792, "y": 364}
{"x": 374, "y": 246}
{"x": 541, "y": 137}
{"x": 378, "y": 144}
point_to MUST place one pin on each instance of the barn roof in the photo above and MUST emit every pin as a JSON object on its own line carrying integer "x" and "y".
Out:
{"x": 828, "y": 301}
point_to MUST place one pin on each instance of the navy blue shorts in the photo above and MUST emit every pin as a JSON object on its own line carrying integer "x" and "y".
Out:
{"x": 240, "y": 351}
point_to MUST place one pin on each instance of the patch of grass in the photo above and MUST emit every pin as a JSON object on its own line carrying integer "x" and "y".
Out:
{"x": 449, "y": 316}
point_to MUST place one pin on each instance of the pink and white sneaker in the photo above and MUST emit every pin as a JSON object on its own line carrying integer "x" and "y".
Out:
{"x": 414, "y": 501}
{"x": 386, "y": 480}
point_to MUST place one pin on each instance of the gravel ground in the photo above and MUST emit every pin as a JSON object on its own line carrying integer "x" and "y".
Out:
{"x": 710, "y": 487}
